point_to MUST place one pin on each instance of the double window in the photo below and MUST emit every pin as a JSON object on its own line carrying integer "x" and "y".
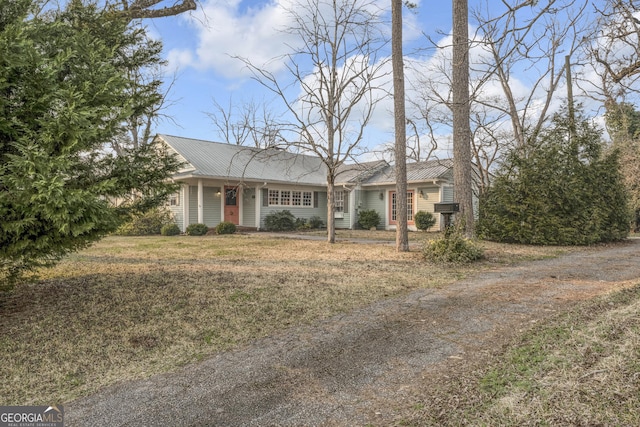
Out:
{"x": 290, "y": 198}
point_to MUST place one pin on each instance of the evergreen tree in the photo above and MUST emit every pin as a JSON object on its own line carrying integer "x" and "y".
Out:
{"x": 623, "y": 124}
{"x": 63, "y": 96}
{"x": 565, "y": 190}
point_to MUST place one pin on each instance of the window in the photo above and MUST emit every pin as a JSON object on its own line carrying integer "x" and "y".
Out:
{"x": 339, "y": 200}
{"x": 290, "y": 198}
{"x": 307, "y": 199}
{"x": 285, "y": 198}
{"x": 296, "y": 198}
{"x": 230, "y": 197}
{"x": 274, "y": 197}
{"x": 174, "y": 199}
{"x": 394, "y": 216}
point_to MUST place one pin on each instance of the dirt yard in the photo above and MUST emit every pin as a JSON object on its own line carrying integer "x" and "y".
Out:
{"x": 355, "y": 369}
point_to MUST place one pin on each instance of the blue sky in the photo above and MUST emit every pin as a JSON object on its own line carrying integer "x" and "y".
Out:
{"x": 201, "y": 52}
{"x": 200, "y": 48}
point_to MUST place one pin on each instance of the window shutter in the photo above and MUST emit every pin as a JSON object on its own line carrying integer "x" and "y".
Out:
{"x": 315, "y": 199}
{"x": 345, "y": 203}
{"x": 265, "y": 197}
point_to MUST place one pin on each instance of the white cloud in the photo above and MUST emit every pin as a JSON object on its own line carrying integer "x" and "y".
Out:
{"x": 179, "y": 58}
{"x": 225, "y": 31}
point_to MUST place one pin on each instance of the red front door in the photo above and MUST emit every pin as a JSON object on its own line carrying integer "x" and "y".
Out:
{"x": 231, "y": 211}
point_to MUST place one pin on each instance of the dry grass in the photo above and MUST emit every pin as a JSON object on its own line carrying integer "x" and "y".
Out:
{"x": 580, "y": 368}
{"x": 131, "y": 307}
{"x": 585, "y": 370}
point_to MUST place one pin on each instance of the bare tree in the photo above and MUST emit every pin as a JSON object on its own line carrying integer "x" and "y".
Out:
{"x": 614, "y": 57}
{"x": 463, "y": 193}
{"x": 337, "y": 68}
{"x": 517, "y": 65}
{"x": 531, "y": 38}
{"x": 617, "y": 49}
{"x": 144, "y": 9}
{"x": 249, "y": 123}
{"x": 145, "y": 70}
{"x": 419, "y": 150}
{"x": 490, "y": 140}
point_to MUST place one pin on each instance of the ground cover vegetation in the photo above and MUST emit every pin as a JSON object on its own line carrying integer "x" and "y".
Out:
{"x": 452, "y": 248}
{"x": 56, "y": 115}
{"x": 131, "y": 307}
{"x": 576, "y": 368}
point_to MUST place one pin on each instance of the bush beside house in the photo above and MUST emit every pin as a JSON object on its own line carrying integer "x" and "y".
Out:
{"x": 424, "y": 220}
{"x": 225, "y": 227}
{"x": 149, "y": 223}
{"x": 170, "y": 229}
{"x": 368, "y": 219}
{"x": 197, "y": 229}
{"x": 280, "y": 221}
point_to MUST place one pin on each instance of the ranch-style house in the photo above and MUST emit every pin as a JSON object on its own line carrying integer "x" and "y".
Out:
{"x": 225, "y": 182}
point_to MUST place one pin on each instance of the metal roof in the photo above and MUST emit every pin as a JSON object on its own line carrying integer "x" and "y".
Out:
{"x": 359, "y": 172}
{"x": 217, "y": 160}
{"x": 416, "y": 172}
{"x": 227, "y": 161}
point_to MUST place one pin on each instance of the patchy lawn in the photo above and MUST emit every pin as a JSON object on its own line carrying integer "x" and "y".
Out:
{"x": 579, "y": 368}
{"x": 131, "y": 307}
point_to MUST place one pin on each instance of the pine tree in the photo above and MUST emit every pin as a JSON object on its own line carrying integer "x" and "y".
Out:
{"x": 63, "y": 95}
{"x": 623, "y": 124}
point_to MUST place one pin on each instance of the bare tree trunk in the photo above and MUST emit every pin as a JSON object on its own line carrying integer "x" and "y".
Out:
{"x": 331, "y": 205}
{"x": 402, "y": 238}
{"x": 463, "y": 193}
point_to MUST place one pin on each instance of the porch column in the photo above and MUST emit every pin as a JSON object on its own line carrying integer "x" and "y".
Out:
{"x": 239, "y": 197}
{"x": 185, "y": 207}
{"x": 353, "y": 215}
{"x": 258, "y": 202}
{"x": 200, "y": 202}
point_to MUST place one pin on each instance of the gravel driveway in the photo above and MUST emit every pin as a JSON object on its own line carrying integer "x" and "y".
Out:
{"x": 346, "y": 370}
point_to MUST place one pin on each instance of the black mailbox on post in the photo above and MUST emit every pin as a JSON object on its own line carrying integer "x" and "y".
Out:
{"x": 447, "y": 210}
{"x": 446, "y": 207}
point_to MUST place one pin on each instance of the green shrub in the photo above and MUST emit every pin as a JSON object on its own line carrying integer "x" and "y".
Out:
{"x": 225, "y": 227}
{"x": 170, "y": 229}
{"x": 149, "y": 223}
{"x": 280, "y": 221}
{"x": 424, "y": 220}
{"x": 197, "y": 229}
{"x": 315, "y": 222}
{"x": 558, "y": 191}
{"x": 302, "y": 224}
{"x": 368, "y": 219}
{"x": 453, "y": 248}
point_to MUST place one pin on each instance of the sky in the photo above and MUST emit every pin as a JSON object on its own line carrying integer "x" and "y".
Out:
{"x": 200, "y": 47}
